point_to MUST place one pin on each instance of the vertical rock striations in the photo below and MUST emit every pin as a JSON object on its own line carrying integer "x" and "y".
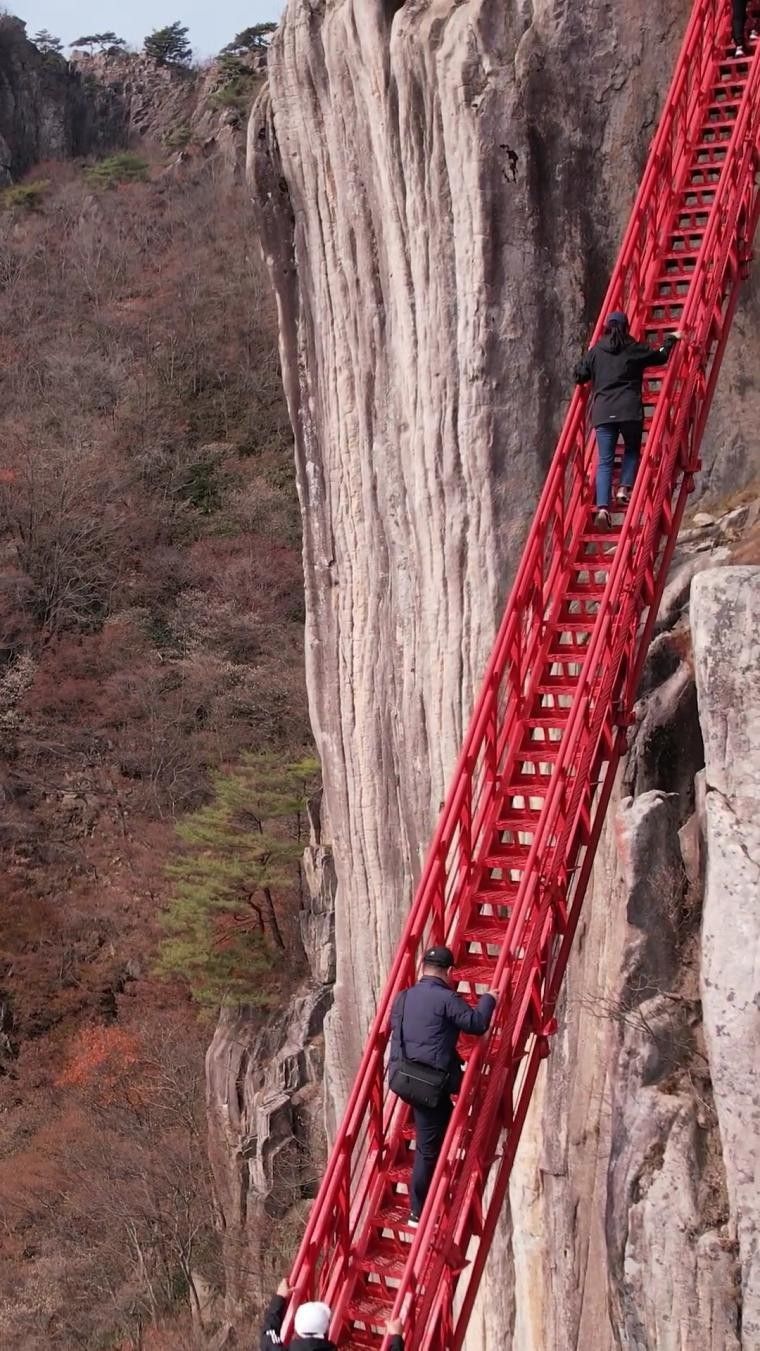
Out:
{"x": 725, "y": 616}
{"x": 438, "y": 194}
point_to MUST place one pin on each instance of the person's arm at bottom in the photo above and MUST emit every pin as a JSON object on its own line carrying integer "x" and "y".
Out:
{"x": 273, "y": 1318}
{"x": 393, "y": 1330}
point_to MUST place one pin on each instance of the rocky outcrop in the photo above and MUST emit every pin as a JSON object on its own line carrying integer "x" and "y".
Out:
{"x": 51, "y": 108}
{"x": 157, "y": 100}
{"x": 47, "y": 110}
{"x": 725, "y": 616}
{"x": 195, "y": 112}
{"x": 265, "y": 1146}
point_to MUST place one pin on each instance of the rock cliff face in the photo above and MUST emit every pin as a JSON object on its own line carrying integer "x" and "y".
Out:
{"x": 47, "y": 110}
{"x": 725, "y": 621}
{"x": 51, "y": 108}
{"x": 436, "y": 199}
{"x": 440, "y": 188}
{"x": 177, "y": 108}
{"x": 439, "y": 204}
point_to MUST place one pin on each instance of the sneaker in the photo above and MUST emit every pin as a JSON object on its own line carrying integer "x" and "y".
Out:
{"x": 739, "y": 51}
{"x": 413, "y": 1221}
{"x": 753, "y": 35}
{"x": 623, "y": 495}
{"x": 602, "y": 519}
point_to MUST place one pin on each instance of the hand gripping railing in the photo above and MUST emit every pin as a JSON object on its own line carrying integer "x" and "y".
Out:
{"x": 501, "y": 1069}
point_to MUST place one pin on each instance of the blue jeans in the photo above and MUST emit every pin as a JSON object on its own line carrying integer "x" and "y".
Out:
{"x": 607, "y": 439}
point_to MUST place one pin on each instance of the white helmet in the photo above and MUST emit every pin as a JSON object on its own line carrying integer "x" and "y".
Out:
{"x": 313, "y": 1320}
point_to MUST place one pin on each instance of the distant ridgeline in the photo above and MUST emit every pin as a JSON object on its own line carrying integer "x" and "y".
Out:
{"x": 104, "y": 97}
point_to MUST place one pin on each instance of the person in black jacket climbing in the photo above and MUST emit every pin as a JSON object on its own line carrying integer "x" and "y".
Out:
{"x": 312, "y": 1323}
{"x": 433, "y": 1015}
{"x": 615, "y": 366}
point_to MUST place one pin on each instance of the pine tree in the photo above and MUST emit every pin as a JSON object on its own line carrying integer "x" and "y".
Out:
{"x": 237, "y": 881}
{"x": 253, "y": 39}
{"x": 169, "y": 46}
{"x": 46, "y": 43}
{"x": 105, "y": 41}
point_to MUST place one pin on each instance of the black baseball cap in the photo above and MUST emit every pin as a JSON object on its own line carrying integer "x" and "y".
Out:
{"x": 439, "y": 957}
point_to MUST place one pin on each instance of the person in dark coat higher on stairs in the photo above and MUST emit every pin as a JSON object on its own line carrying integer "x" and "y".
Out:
{"x": 433, "y": 1016}
{"x": 739, "y": 25}
{"x": 615, "y": 366}
{"x": 312, "y": 1324}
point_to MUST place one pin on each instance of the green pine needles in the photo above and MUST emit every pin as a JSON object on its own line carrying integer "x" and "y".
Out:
{"x": 232, "y": 923}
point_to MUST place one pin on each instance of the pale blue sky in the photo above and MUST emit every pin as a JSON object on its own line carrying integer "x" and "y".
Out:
{"x": 211, "y": 24}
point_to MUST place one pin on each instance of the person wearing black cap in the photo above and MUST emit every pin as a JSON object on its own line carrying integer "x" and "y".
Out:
{"x": 615, "y": 366}
{"x": 426, "y": 1021}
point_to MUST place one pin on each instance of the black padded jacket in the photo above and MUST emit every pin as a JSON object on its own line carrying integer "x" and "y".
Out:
{"x": 617, "y": 377}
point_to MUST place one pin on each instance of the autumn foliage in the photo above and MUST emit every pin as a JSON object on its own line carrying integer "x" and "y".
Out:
{"x": 151, "y": 615}
{"x": 107, "y": 1215}
{"x": 103, "y": 1062}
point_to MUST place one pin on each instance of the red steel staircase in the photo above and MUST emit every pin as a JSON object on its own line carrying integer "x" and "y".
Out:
{"x": 509, "y": 865}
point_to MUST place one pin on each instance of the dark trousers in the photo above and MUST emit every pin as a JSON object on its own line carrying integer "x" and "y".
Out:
{"x": 430, "y": 1128}
{"x": 739, "y": 21}
{"x": 606, "y": 440}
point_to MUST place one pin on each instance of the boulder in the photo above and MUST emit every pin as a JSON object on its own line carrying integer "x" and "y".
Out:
{"x": 678, "y": 586}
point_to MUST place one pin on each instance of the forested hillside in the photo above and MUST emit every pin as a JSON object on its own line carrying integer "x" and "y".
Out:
{"x": 151, "y": 622}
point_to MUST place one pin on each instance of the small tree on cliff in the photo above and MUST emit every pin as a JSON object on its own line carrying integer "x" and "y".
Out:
{"x": 237, "y": 882}
{"x": 103, "y": 41}
{"x": 253, "y": 39}
{"x": 169, "y": 46}
{"x": 46, "y": 43}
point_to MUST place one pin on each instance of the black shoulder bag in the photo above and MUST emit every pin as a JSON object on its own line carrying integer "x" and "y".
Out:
{"x": 417, "y": 1084}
